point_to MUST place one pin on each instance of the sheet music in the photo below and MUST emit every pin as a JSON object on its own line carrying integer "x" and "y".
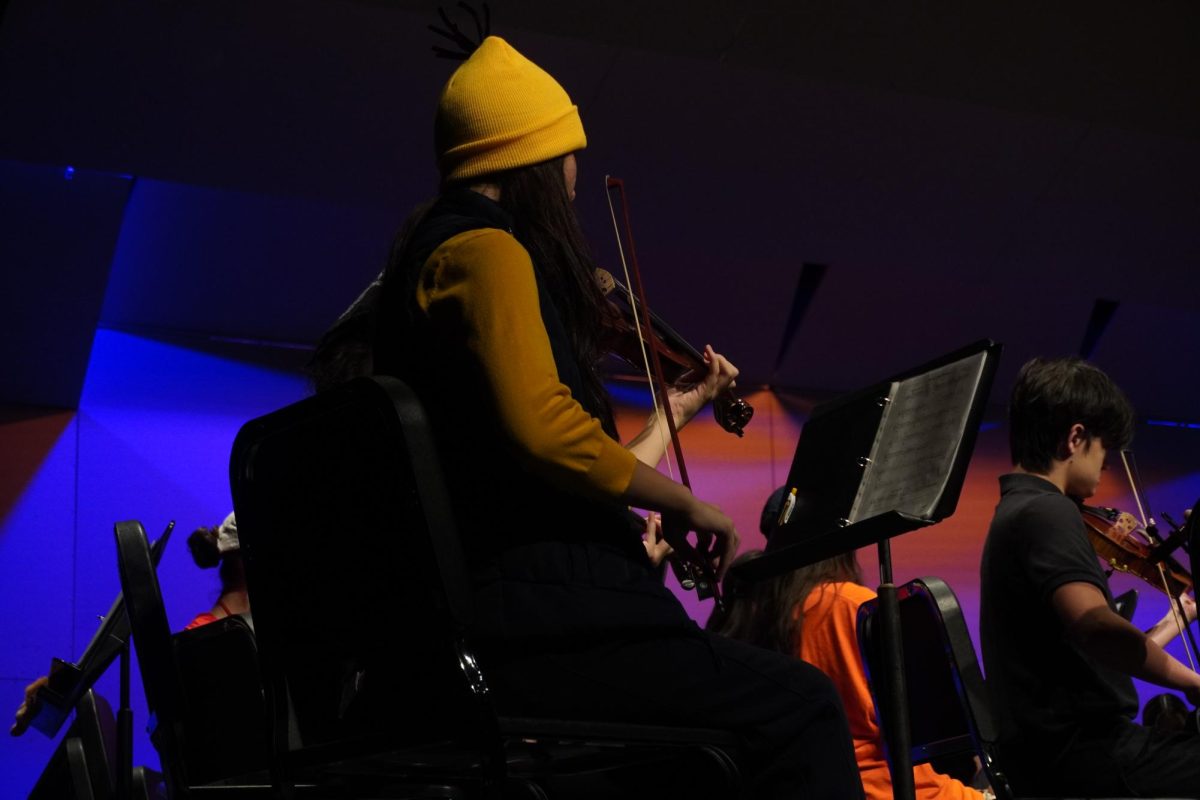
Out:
{"x": 917, "y": 441}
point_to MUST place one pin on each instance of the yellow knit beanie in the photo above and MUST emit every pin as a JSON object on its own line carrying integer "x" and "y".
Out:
{"x": 501, "y": 111}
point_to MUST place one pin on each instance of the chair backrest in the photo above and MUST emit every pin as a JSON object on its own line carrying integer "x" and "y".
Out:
{"x": 1126, "y": 604}
{"x": 356, "y": 576}
{"x": 82, "y": 766}
{"x": 152, "y": 640}
{"x": 202, "y": 686}
{"x": 949, "y": 711}
{"x": 224, "y": 709}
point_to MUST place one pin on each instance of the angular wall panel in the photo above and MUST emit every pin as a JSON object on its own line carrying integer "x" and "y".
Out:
{"x": 57, "y": 236}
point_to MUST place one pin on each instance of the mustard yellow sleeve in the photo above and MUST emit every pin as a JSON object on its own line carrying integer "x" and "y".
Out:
{"x": 480, "y": 285}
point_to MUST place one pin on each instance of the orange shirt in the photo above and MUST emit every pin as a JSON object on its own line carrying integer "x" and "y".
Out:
{"x": 829, "y": 642}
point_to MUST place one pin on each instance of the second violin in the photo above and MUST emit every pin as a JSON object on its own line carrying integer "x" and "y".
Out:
{"x": 1127, "y": 547}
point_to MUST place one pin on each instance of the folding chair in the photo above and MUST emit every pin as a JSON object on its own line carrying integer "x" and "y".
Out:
{"x": 949, "y": 710}
{"x": 202, "y": 686}
{"x": 83, "y": 765}
{"x": 341, "y": 497}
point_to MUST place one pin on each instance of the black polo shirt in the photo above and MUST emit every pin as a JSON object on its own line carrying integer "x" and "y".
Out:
{"x": 1046, "y": 694}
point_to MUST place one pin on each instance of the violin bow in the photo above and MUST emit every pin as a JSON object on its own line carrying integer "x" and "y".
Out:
{"x": 705, "y": 584}
{"x": 1148, "y": 524}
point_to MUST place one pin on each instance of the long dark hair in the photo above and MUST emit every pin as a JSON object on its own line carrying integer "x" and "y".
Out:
{"x": 770, "y": 612}
{"x": 545, "y": 223}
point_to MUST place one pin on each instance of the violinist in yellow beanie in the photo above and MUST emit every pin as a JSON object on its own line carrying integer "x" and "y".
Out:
{"x": 500, "y": 111}
{"x": 490, "y": 311}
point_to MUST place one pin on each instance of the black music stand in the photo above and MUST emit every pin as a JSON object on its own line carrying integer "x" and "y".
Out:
{"x": 874, "y": 464}
{"x": 68, "y": 682}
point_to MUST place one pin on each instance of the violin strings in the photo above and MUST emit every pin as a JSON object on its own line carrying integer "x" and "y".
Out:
{"x": 1126, "y": 459}
{"x": 1177, "y": 613}
{"x": 637, "y": 324}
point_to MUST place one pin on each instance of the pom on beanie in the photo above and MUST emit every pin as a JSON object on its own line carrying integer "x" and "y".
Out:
{"x": 500, "y": 111}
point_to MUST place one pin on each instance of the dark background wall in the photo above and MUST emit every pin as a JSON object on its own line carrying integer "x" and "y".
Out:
{"x": 193, "y": 191}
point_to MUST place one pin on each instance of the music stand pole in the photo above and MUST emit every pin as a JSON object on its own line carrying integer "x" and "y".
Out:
{"x": 124, "y": 733}
{"x": 898, "y": 733}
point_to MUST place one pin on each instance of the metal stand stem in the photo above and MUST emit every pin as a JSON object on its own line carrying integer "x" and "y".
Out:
{"x": 124, "y": 733}
{"x": 892, "y": 691}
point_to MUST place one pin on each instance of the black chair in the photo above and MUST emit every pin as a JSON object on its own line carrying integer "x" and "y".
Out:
{"x": 949, "y": 711}
{"x": 209, "y": 723}
{"x": 363, "y": 613}
{"x": 1126, "y": 604}
{"x": 83, "y": 766}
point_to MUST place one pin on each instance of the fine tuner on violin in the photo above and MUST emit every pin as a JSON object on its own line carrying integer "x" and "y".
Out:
{"x": 679, "y": 357}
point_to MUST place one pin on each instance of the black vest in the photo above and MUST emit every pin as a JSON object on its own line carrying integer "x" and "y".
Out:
{"x": 543, "y": 562}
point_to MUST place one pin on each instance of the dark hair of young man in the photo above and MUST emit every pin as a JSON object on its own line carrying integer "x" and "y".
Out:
{"x": 1050, "y": 396}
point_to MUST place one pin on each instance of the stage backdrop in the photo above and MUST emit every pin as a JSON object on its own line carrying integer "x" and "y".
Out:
{"x": 151, "y": 438}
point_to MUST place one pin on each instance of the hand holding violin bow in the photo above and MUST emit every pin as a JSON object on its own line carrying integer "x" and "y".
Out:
{"x": 636, "y": 330}
{"x": 716, "y": 538}
{"x": 1171, "y": 625}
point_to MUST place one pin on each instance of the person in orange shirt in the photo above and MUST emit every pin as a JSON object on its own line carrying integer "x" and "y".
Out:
{"x": 210, "y": 547}
{"x": 812, "y": 614}
{"x": 218, "y": 546}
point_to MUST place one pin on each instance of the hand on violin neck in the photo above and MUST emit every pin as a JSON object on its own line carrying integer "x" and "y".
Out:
{"x": 686, "y": 401}
{"x": 1189, "y": 607}
{"x": 1168, "y": 627}
{"x": 694, "y": 390}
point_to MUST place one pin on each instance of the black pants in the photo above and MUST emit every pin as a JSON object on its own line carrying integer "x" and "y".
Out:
{"x": 797, "y": 743}
{"x": 1128, "y": 761}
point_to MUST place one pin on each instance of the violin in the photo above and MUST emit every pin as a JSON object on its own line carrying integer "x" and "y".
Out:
{"x": 677, "y": 355}
{"x": 651, "y": 335}
{"x": 1128, "y": 547}
{"x": 1132, "y": 548}
{"x": 1137, "y": 549}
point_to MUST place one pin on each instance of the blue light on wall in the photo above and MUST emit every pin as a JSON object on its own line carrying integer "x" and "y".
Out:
{"x": 632, "y": 395}
{"x": 150, "y": 442}
{"x": 1169, "y": 423}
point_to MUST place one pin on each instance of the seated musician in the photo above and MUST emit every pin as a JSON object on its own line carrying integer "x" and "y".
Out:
{"x": 812, "y": 614}
{"x": 490, "y": 312}
{"x": 209, "y": 546}
{"x": 219, "y": 546}
{"x": 1058, "y": 657}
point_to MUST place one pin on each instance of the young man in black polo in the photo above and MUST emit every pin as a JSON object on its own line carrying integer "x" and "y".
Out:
{"x": 1058, "y": 658}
